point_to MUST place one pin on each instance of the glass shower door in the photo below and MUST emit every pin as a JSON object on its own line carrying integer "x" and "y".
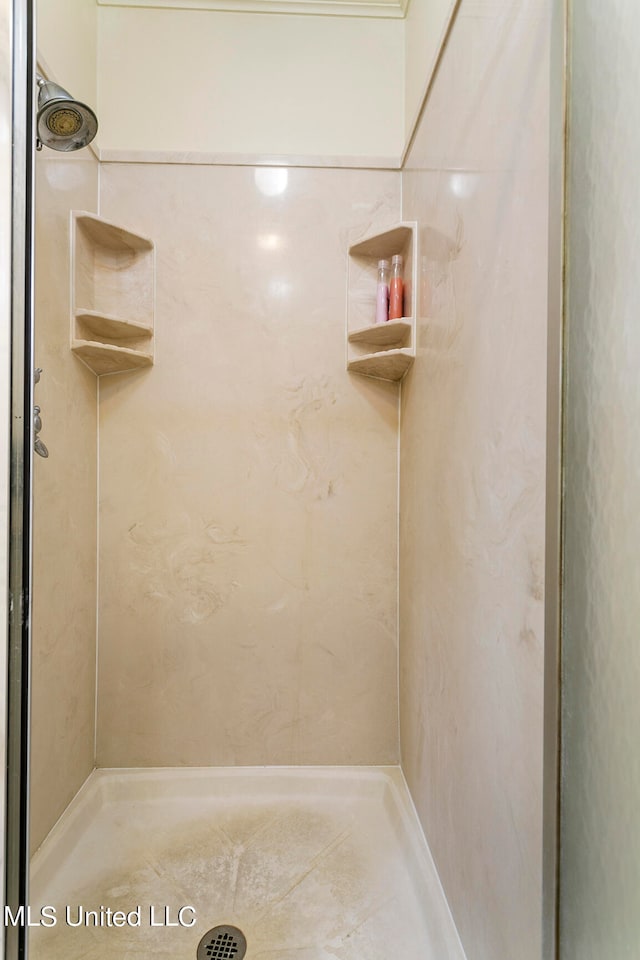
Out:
{"x": 600, "y": 788}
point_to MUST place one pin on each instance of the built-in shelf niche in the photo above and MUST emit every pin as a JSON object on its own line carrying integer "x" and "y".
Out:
{"x": 381, "y": 350}
{"x": 112, "y": 310}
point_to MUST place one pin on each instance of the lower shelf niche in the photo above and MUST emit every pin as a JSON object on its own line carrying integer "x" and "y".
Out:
{"x": 384, "y": 365}
{"x": 107, "y": 358}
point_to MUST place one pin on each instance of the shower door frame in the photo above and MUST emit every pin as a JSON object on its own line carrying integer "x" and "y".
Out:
{"x": 6, "y": 64}
{"x": 17, "y": 28}
{"x": 554, "y": 468}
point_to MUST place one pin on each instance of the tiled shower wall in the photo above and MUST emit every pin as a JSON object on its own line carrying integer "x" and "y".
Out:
{"x": 248, "y": 484}
{"x": 248, "y": 488}
{"x": 473, "y": 475}
{"x": 64, "y": 521}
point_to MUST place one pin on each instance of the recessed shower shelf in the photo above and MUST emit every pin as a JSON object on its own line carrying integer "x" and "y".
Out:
{"x": 381, "y": 350}
{"x": 113, "y": 295}
{"x": 384, "y": 365}
{"x": 109, "y": 358}
{"x": 103, "y": 325}
{"x": 395, "y": 332}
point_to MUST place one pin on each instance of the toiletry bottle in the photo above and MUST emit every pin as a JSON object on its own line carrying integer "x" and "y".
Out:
{"x": 396, "y": 289}
{"x": 382, "y": 295}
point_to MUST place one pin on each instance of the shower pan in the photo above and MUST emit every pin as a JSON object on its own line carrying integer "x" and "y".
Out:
{"x": 311, "y": 863}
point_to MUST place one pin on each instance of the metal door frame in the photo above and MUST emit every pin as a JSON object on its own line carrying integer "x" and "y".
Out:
{"x": 17, "y": 17}
{"x": 554, "y": 502}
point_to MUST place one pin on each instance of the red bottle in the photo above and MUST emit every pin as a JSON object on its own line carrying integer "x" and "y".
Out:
{"x": 396, "y": 289}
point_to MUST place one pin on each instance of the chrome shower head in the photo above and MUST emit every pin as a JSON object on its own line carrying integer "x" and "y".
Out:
{"x": 63, "y": 123}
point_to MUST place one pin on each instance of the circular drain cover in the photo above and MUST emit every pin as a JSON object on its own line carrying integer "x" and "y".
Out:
{"x": 222, "y": 943}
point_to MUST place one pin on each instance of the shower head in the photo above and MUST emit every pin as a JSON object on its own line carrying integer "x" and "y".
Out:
{"x": 63, "y": 123}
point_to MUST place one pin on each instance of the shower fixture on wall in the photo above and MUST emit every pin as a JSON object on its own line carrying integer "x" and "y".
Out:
{"x": 63, "y": 123}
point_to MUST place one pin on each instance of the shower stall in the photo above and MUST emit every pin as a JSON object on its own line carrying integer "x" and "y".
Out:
{"x": 284, "y": 667}
{"x": 245, "y": 738}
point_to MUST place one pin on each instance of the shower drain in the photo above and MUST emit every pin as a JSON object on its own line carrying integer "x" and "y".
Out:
{"x": 222, "y": 943}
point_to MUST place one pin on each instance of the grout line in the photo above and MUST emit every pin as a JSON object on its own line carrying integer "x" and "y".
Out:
{"x": 309, "y": 162}
{"x": 398, "y": 689}
{"x": 398, "y": 684}
{"x": 399, "y": 741}
{"x": 97, "y": 632}
{"x": 97, "y": 643}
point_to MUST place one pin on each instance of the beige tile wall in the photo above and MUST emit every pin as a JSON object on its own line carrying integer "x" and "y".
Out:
{"x": 473, "y": 474}
{"x": 64, "y": 537}
{"x": 248, "y": 484}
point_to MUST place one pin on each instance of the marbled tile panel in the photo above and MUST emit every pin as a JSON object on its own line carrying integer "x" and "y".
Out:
{"x": 473, "y": 475}
{"x": 248, "y": 484}
{"x": 65, "y": 508}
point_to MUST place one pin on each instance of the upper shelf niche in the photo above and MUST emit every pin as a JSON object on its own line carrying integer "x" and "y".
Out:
{"x": 112, "y": 311}
{"x": 384, "y": 350}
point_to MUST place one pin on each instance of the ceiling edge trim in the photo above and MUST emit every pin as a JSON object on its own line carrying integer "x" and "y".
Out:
{"x": 384, "y": 9}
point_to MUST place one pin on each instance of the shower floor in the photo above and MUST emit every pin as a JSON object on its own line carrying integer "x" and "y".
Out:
{"x": 310, "y": 863}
